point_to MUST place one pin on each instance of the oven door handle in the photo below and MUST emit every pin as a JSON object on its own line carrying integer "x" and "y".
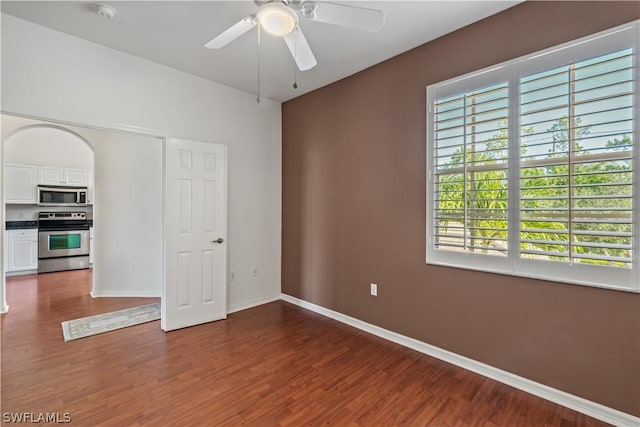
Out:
{"x": 79, "y": 228}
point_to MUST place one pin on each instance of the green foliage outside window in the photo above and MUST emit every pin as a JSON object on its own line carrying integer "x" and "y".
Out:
{"x": 578, "y": 209}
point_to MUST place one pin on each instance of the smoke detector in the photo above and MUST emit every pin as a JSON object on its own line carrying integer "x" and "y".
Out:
{"x": 105, "y": 10}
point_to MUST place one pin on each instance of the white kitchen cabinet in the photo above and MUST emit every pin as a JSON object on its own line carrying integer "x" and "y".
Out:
{"x": 20, "y": 183}
{"x": 90, "y": 245}
{"x": 22, "y": 250}
{"x": 90, "y": 186}
{"x": 50, "y": 175}
{"x": 55, "y": 175}
{"x": 76, "y": 177}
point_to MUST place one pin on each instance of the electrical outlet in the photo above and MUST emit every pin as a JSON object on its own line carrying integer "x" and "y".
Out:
{"x": 254, "y": 271}
{"x": 233, "y": 276}
{"x": 374, "y": 289}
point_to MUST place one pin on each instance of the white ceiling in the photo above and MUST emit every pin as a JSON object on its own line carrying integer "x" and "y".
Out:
{"x": 173, "y": 33}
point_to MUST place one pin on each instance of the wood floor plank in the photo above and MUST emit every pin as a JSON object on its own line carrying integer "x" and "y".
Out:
{"x": 273, "y": 365}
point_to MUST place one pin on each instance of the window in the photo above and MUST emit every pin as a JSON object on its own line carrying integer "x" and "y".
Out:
{"x": 471, "y": 170}
{"x": 533, "y": 165}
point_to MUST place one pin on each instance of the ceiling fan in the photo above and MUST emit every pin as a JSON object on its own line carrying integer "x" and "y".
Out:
{"x": 281, "y": 18}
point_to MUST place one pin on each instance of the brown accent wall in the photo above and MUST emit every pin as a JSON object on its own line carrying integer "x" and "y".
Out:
{"x": 354, "y": 213}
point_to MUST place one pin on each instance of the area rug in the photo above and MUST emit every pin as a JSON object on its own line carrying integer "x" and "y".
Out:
{"x": 98, "y": 324}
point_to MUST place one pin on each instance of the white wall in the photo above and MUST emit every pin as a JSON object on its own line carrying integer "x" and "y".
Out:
{"x": 43, "y": 144}
{"x": 4, "y": 307}
{"x": 128, "y": 216}
{"x": 53, "y": 75}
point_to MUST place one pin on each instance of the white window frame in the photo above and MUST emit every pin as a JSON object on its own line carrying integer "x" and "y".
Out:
{"x": 618, "y": 38}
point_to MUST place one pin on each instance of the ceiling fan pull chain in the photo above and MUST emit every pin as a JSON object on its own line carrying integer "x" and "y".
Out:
{"x": 258, "y": 98}
{"x": 295, "y": 60}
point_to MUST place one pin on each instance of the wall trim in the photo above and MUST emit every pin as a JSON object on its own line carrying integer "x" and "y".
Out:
{"x": 587, "y": 407}
{"x": 19, "y": 272}
{"x": 250, "y": 304}
{"x": 63, "y": 118}
{"x": 125, "y": 294}
{"x": 4, "y": 309}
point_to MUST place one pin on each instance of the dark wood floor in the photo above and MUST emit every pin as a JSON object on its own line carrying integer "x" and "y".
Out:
{"x": 275, "y": 364}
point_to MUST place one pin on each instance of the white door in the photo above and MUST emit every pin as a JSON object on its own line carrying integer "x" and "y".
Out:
{"x": 194, "y": 289}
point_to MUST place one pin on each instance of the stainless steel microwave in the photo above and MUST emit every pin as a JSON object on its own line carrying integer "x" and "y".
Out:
{"x": 62, "y": 196}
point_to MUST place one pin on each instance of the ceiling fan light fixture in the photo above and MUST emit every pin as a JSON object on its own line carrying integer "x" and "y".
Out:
{"x": 277, "y": 19}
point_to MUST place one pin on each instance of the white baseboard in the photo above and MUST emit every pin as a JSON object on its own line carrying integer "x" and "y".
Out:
{"x": 20, "y": 273}
{"x": 125, "y": 294}
{"x": 593, "y": 409}
{"x": 250, "y": 304}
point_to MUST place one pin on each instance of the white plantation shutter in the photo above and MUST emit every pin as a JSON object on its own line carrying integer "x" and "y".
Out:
{"x": 471, "y": 171}
{"x": 576, "y": 162}
{"x": 533, "y": 166}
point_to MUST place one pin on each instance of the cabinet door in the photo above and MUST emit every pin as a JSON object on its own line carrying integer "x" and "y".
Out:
{"x": 90, "y": 186}
{"x": 23, "y": 250}
{"x": 20, "y": 184}
{"x": 75, "y": 177}
{"x": 50, "y": 175}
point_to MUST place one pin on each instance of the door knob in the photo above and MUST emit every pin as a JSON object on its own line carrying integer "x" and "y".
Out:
{"x": 218, "y": 240}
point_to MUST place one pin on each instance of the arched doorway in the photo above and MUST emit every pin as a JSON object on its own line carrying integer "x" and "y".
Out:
{"x": 39, "y": 156}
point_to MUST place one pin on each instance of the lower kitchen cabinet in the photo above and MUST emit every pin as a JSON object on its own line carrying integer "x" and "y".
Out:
{"x": 22, "y": 250}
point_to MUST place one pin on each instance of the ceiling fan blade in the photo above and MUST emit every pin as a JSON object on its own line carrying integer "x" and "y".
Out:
{"x": 232, "y": 33}
{"x": 300, "y": 50}
{"x": 345, "y": 16}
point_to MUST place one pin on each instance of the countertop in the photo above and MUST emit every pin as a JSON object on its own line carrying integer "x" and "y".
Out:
{"x": 18, "y": 225}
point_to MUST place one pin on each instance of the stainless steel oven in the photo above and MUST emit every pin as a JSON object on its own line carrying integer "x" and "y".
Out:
{"x": 63, "y": 241}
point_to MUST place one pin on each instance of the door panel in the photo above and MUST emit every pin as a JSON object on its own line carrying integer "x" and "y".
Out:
{"x": 184, "y": 207}
{"x": 194, "y": 291}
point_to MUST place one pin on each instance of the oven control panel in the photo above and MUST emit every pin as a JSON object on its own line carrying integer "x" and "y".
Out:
{"x": 62, "y": 215}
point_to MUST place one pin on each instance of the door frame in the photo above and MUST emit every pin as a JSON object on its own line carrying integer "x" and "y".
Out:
{"x": 86, "y": 122}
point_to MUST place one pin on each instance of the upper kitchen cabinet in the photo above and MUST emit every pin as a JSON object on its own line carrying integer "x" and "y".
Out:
{"x": 76, "y": 177}
{"x": 54, "y": 175}
{"x": 20, "y": 183}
